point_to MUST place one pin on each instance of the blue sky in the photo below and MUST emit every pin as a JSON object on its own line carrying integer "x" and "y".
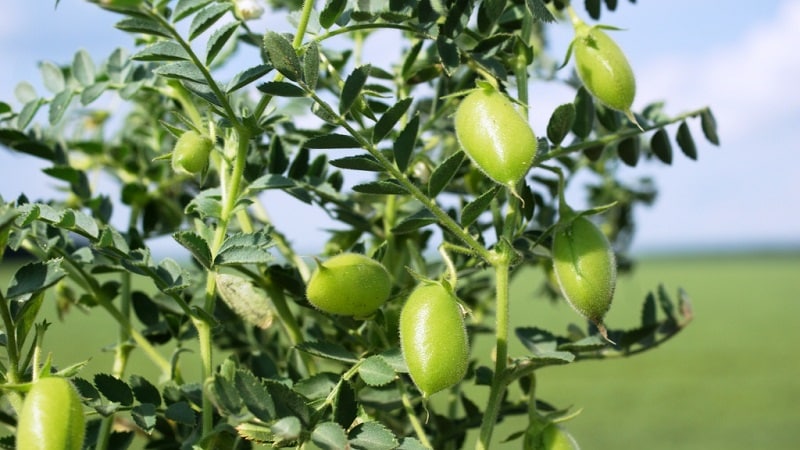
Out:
{"x": 738, "y": 60}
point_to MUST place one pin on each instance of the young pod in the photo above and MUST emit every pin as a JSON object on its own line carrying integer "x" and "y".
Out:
{"x": 433, "y": 338}
{"x": 349, "y": 284}
{"x": 585, "y": 267}
{"x": 51, "y": 417}
{"x": 604, "y": 69}
{"x": 495, "y": 136}
{"x": 191, "y": 152}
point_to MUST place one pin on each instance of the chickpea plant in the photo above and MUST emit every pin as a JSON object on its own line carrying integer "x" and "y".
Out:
{"x": 441, "y": 192}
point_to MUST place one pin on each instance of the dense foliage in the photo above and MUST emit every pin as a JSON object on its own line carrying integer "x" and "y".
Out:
{"x": 375, "y": 148}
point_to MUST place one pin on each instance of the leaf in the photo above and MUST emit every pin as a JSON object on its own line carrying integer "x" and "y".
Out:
{"x": 593, "y": 8}
{"x": 144, "y": 26}
{"x": 93, "y": 92}
{"x": 384, "y": 187}
{"x": 247, "y": 76}
{"x": 709, "y": 125}
{"x": 539, "y": 11}
{"x": 405, "y": 143}
{"x": 628, "y": 150}
{"x": 244, "y": 299}
{"x": 270, "y": 181}
{"x": 218, "y": 39}
{"x": 255, "y": 395}
{"x": 185, "y": 8}
{"x": 352, "y": 88}
{"x": 372, "y": 436}
{"x": 144, "y": 391}
{"x": 419, "y": 219}
{"x": 389, "y": 119}
{"x": 317, "y": 387}
{"x": 144, "y": 416}
{"x": 561, "y": 123}
{"x": 358, "y": 162}
{"x": 288, "y": 402}
{"x": 59, "y": 106}
{"x": 448, "y": 54}
{"x": 181, "y": 412}
{"x": 25, "y": 92}
{"x": 475, "y": 208}
{"x": 649, "y": 316}
{"x": 83, "y": 68}
{"x": 35, "y": 277}
{"x": 311, "y": 63}
{"x": 282, "y": 55}
{"x": 584, "y": 113}
{"x": 299, "y": 167}
{"x": 28, "y": 112}
{"x": 245, "y": 248}
{"x": 181, "y": 70}
{"x": 330, "y": 141}
{"x": 444, "y": 172}
{"x": 587, "y": 344}
{"x": 328, "y": 350}
{"x": 114, "y": 389}
{"x": 53, "y": 77}
{"x": 345, "y": 405}
{"x": 207, "y": 17}
{"x": 196, "y": 245}
{"x": 329, "y": 436}
{"x": 375, "y": 371}
{"x": 686, "y": 142}
{"x": 286, "y": 429}
{"x": 661, "y": 146}
{"x": 281, "y": 89}
{"x": 331, "y": 11}
{"x": 225, "y": 395}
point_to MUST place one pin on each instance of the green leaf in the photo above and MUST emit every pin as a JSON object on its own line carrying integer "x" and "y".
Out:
{"x": 181, "y": 412}
{"x": 352, "y": 88}
{"x": 587, "y": 344}
{"x": 207, "y": 17}
{"x": 539, "y": 10}
{"x": 358, "y": 162}
{"x": 317, "y": 387}
{"x": 661, "y": 146}
{"x": 311, "y": 63}
{"x": 144, "y": 416}
{"x": 584, "y": 113}
{"x": 145, "y": 391}
{"x": 299, "y": 167}
{"x": 419, "y": 219}
{"x": 247, "y": 76}
{"x": 218, "y": 39}
{"x": 270, "y": 181}
{"x": 628, "y": 150}
{"x": 375, "y": 371}
{"x": 181, "y": 70}
{"x": 330, "y": 141}
{"x": 345, "y": 405}
{"x": 372, "y": 436}
{"x": 389, "y": 119}
{"x": 25, "y": 92}
{"x": 283, "y": 55}
{"x": 144, "y": 26}
{"x": 287, "y": 401}
{"x": 610, "y": 119}
{"x": 686, "y": 142}
{"x": 475, "y": 208}
{"x": 649, "y": 314}
{"x": 329, "y": 436}
{"x": 59, "y": 106}
{"x": 328, "y": 350}
{"x": 384, "y": 187}
{"x": 93, "y": 92}
{"x": 709, "y": 125}
{"x": 281, "y": 89}
{"x": 77, "y": 179}
{"x": 593, "y": 8}
{"x": 28, "y": 112}
{"x": 255, "y": 395}
{"x": 185, "y": 8}
{"x": 35, "y": 277}
{"x": 561, "y": 123}
{"x": 243, "y": 298}
{"x": 225, "y": 395}
{"x": 83, "y": 68}
{"x": 286, "y": 429}
{"x": 114, "y": 389}
{"x": 448, "y": 54}
{"x": 444, "y": 172}
{"x": 53, "y": 77}
{"x": 411, "y": 443}
{"x": 196, "y": 245}
{"x": 331, "y": 11}
{"x": 405, "y": 143}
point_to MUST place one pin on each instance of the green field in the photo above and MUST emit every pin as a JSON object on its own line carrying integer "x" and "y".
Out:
{"x": 731, "y": 380}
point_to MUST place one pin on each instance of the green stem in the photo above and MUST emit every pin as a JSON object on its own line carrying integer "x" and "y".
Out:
{"x": 11, "y": 341}
{"x": 419, "y": 430}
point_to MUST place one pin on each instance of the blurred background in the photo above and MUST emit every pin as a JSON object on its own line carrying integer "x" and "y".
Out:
{"x": 726, "y": 228}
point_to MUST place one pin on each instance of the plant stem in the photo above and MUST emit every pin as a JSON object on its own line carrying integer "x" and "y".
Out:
{"x": 419, "y": 430}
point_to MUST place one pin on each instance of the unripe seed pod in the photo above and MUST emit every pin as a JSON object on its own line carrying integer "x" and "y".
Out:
{"x": 604, "y": 69}
{"x": 495, "y": 136}
{"x": 51, "y": 417}
{"x": 433, "y": 338}
{"x": 585, "y": 268}
{"x": 191, "y": 152}
{"x": 349, "y": 284}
